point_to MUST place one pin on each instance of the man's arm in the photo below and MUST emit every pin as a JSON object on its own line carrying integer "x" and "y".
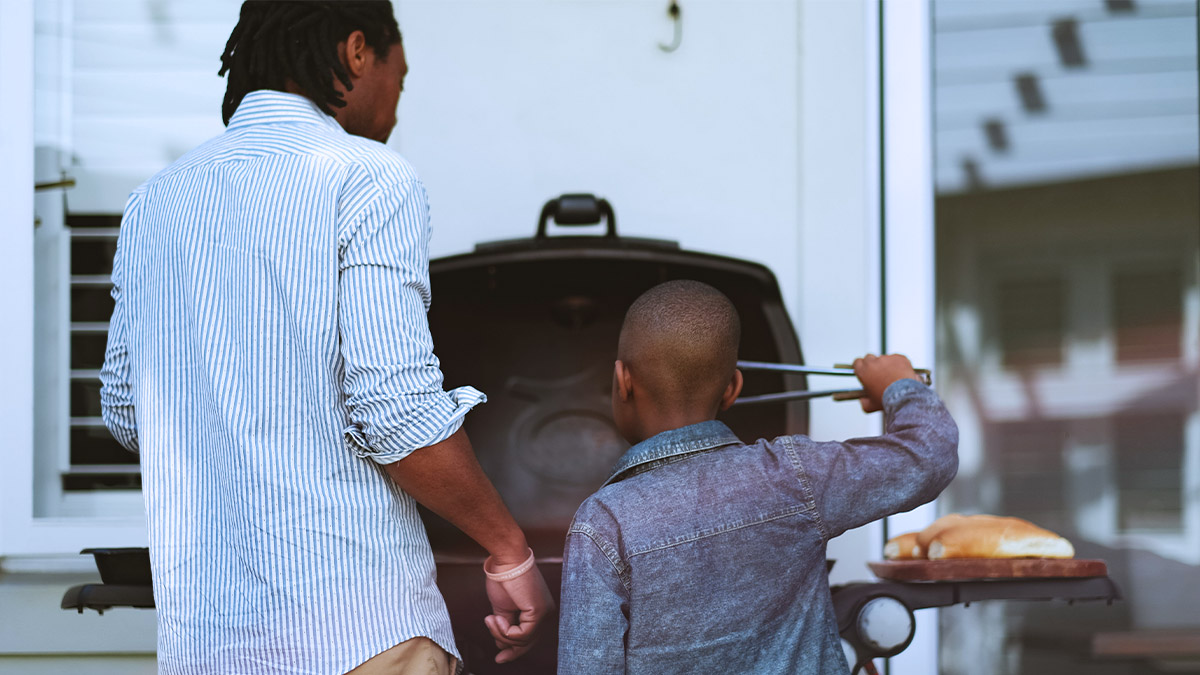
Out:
{"x": 594, "y": 619}
{"x": 862, "y": 480}
{"x": 447, "y": 479}
{"x": 116, "y": 390}
{"x": 400, "y": 416}
{"x": 392, "y": 380}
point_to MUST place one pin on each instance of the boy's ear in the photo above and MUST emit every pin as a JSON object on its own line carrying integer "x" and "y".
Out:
{"x": 732, "y": 390}
{"x": 621, "y": 381}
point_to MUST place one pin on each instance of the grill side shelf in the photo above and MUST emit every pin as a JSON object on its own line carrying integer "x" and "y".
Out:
{"x": 921, "y": 595}
{"x": 968, "y": 569}
{"x": 106, "y": 596}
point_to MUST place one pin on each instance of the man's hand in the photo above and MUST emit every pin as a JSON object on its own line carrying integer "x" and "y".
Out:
{"x": 877, "y": 373}
{"x": 519, "y": 607}
{"x": 447, "y": 479}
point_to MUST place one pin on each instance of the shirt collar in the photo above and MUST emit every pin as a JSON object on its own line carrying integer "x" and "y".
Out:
{"x": 681, "y": 441}
{"x": 267, "y": 106}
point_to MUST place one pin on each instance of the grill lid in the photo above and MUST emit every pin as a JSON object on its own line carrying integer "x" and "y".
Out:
{"x": 534, "y": 323}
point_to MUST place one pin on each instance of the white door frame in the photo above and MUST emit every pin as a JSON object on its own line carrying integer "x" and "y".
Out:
{"x": 22, "y": 531}
{"x": 907, "y": 223}
{"x": 16, "y": 268}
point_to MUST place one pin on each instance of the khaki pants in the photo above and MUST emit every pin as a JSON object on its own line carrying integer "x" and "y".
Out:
{"x": 418, "y": 656}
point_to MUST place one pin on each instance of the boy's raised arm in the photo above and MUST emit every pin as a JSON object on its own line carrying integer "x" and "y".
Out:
{"x": 862, "y": 480}
{"x": 594, "y": 614}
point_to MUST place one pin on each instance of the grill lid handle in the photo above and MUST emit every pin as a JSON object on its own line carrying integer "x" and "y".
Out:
{"x": 577, "y": 209}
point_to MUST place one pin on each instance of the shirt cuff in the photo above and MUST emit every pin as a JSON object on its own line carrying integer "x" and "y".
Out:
{"x": 432, "y": 424}
{"x": 900, "y": 391}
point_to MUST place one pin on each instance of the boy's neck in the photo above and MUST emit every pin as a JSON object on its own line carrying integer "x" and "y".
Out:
{"x": 661, "y": 421}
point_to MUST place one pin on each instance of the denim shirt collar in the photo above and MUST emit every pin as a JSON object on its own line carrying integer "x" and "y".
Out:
{"x": 682, "y": 441}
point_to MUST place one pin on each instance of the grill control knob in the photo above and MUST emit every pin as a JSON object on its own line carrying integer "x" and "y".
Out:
{"x": 886, "y": 625}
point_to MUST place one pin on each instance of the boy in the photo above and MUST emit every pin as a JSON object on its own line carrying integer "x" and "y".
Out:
{"x": 704, "y": 555}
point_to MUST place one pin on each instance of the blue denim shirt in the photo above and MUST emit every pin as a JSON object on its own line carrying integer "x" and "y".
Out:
{"x": 704, "y": 555}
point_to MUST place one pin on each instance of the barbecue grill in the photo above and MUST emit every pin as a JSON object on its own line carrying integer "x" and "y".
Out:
{"x": 534, "y": 324}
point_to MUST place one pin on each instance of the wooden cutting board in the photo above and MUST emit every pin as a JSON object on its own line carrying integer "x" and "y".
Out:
{"x": 965, "y": 569}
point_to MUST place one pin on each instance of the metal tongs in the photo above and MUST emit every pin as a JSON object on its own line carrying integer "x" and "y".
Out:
{"x": 836, "y": 394}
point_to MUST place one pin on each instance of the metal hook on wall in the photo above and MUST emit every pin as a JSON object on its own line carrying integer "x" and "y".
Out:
{"x": 674, "y": 13}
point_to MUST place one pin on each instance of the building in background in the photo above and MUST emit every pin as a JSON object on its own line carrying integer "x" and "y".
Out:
{"x": 1068, "y": 236}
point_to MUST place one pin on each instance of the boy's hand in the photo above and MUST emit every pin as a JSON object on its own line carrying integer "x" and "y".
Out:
{"x": 877, "y": 373}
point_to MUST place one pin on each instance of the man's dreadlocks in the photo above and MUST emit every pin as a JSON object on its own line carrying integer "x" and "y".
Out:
{"x": 277, "y": 40}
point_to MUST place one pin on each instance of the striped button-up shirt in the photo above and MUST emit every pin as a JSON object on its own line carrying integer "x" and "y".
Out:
{"x": 268, "y": 351}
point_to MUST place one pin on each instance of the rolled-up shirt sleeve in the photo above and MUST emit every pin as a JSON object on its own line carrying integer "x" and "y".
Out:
{"x": 392, "y": 381}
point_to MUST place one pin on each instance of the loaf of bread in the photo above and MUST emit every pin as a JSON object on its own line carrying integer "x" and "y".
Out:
{"x": 996, "y": 537}
{"x": 925, "y": 536}
{"x": 903, "y": 547}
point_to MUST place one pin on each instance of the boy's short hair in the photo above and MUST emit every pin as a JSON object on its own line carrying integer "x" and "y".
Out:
{"x": 680, "y": 340}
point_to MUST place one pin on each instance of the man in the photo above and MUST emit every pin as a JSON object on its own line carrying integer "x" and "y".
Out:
{"x": 269, "y": 357}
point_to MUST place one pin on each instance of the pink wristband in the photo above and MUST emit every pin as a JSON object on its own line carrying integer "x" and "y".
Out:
{"x": 510, "y": 574}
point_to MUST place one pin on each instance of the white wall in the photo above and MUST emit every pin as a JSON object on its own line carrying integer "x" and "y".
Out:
{"x": 509, "y": 104}
{"x": 506, "y": 105}
{"x": 141, "y": 88}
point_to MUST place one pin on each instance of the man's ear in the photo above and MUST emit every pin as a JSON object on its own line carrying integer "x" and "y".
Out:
{"x": 354, "y": 54}
{"x": 622, "y": 381}
{"x": 732, "y": 390}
